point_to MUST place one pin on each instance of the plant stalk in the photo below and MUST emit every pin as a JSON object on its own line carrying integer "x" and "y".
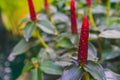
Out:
{"x": 86, "y": 76}
{"x": 99, "y": 48}
{"x": 91, "y": 18}
{"x": 117, "y": 7}
{"x": 108, "y": 9}
{"x": 41, "y": 40}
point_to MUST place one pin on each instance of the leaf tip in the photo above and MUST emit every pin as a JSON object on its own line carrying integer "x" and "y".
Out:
{"x": 11, "y": 57}
{"x": 26, "y": 39}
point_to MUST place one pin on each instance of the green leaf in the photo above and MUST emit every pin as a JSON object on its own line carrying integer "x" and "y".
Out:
{"x": 28, "y": 30}
{"x": 46, "y": 26}
{"x": 114, "y": 34}
{"x": 92, "y": 52}
{"x": 99, "y": 9}
{"x": 74, "y": 39}
{"x": 47, "y": 54}
{"x": 51, "y": 68}
{"x": 43, "y": 55}
{"x": 63, "y": 63}
{"x": 93, "y": 36}
{"x": 110, "y": 54}
{"x": 60, "y": 17}
{"x": 111, "y": 75}
{"x": 51, "y": 53}
{"x": 115, "y": 1}
{"x": 113, "y": 20}
{"x": 28, "y": 66}
{"x": 22, "y": 47}
{"x": 74, "y": 73}
{"x": 113, "y": 55}
{"x": 24, "y": 20}
{"x": 95, "y": 70}
{"x": 36, "y": 74}
{"x": 115, "y": 26}
{"x": 64, "y": 43}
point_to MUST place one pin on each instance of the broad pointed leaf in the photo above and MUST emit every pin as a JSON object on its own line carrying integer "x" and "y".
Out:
{"x": 115, "y": 1}
{"x": 51, "y": 68}
{"x": 111, "y": 75}
{"x": 28, "y": 30}
{"x": 113, "y": 20}
{"x": 75, "y": 73}
{"x": 98, "y": 9}
{"x": 95, "y": 70}
{"x": 22, "y": 47}
{"x": 60, "y": 17}
{"x": 114, "y": 34}
{"x": 47, "y": 54}
{"x": 64, "y": 43}
{"x": 110, "y": 54}
{"x": 24, "y": 20}
{"x": 92, "y": 52}
{"x": 46, "y": 26}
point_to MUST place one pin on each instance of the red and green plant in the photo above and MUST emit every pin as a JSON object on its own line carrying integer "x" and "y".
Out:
{"x": 70, "y": 40}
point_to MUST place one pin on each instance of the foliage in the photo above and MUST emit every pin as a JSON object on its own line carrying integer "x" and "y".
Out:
{"x": 56, "y": 59}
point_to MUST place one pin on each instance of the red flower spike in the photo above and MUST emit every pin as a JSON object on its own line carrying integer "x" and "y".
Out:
{"x": 46, "y": 4}
{"x": 88, "y": 2}
{"x": 83, "y": 45}
{"x": 73, "y": 18}
{"x": 32, "y": 10}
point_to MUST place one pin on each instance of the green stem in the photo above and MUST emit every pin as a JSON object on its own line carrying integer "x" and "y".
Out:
{"x": 108, "y": 9}
{"x": 99, "y": 48}
{"x": 40, "y": 39}
{"x": 91, "y": 18}
{"x": 117, "y": 7}
{"x": 86, "y": 76}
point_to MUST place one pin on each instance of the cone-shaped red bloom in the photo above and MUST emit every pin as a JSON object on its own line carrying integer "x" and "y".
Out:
{"x": 88, "y": 2}
{"x": 32, "y": 10}
{"x": 73, "y": 18}
{"x": 46, "y": 4}
{"x": 83, "y": 45}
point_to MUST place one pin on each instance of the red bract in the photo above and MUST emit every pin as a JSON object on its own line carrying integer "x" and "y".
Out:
{"x": 46, "y": 4}
{"x": 73, "y": 18}
{"x": 83, "y": 45}
{"x": 32, "y": 10}
{"x": 88, "y": 2}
